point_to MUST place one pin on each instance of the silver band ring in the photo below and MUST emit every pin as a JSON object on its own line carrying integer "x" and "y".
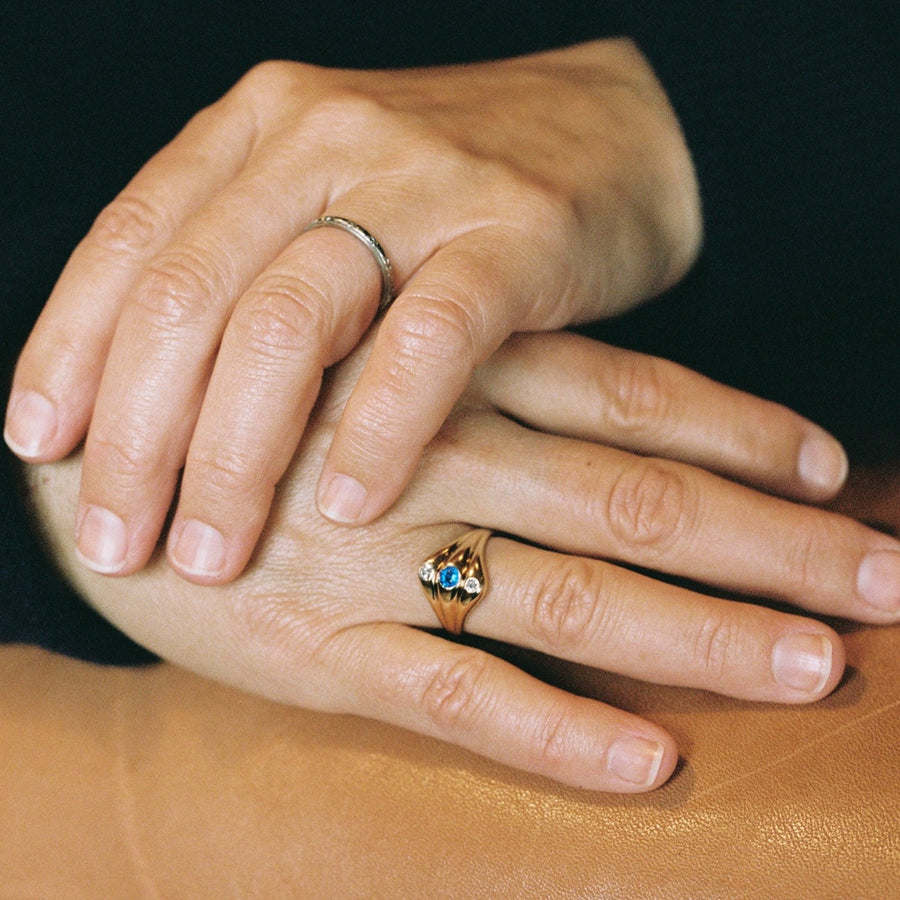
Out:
{"x": 367, "y": 238}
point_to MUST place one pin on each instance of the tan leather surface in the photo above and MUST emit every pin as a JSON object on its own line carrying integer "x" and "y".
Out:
{"x": 155, "y": 783}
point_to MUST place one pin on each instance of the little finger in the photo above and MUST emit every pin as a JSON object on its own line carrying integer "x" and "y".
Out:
{"x": 608, "y": 617}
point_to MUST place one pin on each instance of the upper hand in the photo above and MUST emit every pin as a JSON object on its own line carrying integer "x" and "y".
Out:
{"x": 192, "y": 325}
{"x": 322, "y": 619}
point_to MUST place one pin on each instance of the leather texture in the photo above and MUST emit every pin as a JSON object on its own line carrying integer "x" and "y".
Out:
{"x": 154, "y": 783}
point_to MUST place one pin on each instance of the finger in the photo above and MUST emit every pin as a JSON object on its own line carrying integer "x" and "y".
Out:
{"x": 167, "y": 339}
{"x": 59, "y": 370}
{"x": 169, "y": 335}
{"x": 566, "y": 384}
{"x": 453, "y": 314}
{"x": 666, "y": 516}
{"x": 483, "y": 704}
{"x": 611, "y": 618}
{"x": 305, "y": 312}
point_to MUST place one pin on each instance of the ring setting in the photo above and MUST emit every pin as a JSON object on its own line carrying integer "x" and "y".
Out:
{"x": 448, "y": 578}
{"x": 454, "y": 578}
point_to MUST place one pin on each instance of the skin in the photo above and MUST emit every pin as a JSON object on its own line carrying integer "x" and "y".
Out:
{"x": 192, "y": 326}
{"x": 333, "y": 619}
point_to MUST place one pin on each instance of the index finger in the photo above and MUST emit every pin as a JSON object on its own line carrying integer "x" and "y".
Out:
{"x": 571, "y": 385}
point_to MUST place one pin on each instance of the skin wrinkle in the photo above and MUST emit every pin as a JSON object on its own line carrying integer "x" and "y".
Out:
{"x": 568, "y": 605}
{"x": 128, "y": 226}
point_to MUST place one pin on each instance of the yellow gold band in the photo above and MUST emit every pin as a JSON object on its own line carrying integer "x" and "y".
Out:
{"x": 454, "y": 579}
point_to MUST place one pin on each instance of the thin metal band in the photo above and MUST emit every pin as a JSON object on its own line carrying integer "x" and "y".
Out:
{"x": 454, "y": 579}
{"x": 367, "y": 238}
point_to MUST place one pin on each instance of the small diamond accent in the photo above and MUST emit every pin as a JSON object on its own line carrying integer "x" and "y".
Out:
{"x": 449, "y": 578}
{"x": 472, "y": 586}
{"x": 426, "y": 573}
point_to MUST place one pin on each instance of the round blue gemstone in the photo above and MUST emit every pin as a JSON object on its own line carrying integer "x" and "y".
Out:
{"x": 449, "y": 578}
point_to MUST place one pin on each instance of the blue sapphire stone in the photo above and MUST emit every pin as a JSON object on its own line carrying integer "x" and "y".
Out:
{"x": 449, "y": 578}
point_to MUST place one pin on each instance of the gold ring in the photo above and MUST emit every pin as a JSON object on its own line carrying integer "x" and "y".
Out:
{"x": 454, "y": 579}
{"x": 377, "y": 251}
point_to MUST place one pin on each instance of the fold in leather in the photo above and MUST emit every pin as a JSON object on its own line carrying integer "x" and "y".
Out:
{"x": 157, "y": 783}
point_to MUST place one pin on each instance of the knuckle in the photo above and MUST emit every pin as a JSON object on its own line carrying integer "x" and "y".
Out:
{"x": 436, "y": 159}
{"x": 128, "y": 226}
{"x": 371, "y": 435}
{"x": 69, "y": 344}
{"x": 226, "y": 474}
{"x": 803, "y": 557}
{"x": 264, "y": 72}
{"x": 268, "y": 78}
{"x": 543, "y": 216}
{"x": 716, "y": 645}
{"x": 555, "y": 736}
{"x": 638, "y": 398}
{"x": 539, "y": 207}
{"x": 181, "y": 287}
{"x": 346, "y": 116}
{"x": 650, "y": 505}
{"x": 284, "y": 315}
{"x": 422, "y": 350}
{"x": 127, "y": 463}
{"x": 441, "y": 329}
{"x": 456, "y": 692}
{"x": 566, "y": 606}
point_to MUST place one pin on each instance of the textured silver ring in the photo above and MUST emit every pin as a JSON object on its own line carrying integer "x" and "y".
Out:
{"x": 367, "y": 238}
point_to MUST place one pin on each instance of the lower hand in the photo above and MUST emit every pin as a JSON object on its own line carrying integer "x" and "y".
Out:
{"x": 333, "y": 619}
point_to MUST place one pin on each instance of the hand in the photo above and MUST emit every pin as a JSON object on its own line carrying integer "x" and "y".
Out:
{"x": 192, "y": 325}
{"x": 330, "y": 619}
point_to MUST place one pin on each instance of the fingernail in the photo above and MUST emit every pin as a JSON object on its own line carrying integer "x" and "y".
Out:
{"x": 343, "y": 499}
{"x": 102, "y": 541}
{"x": 878, "y": 580}
{"x": 802, "y": 662}
{"x": 30, "y": 424}
{"x": 822, "y": 462}
{"x": 635, "y": 760}
{"x": 199, "y": 549}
